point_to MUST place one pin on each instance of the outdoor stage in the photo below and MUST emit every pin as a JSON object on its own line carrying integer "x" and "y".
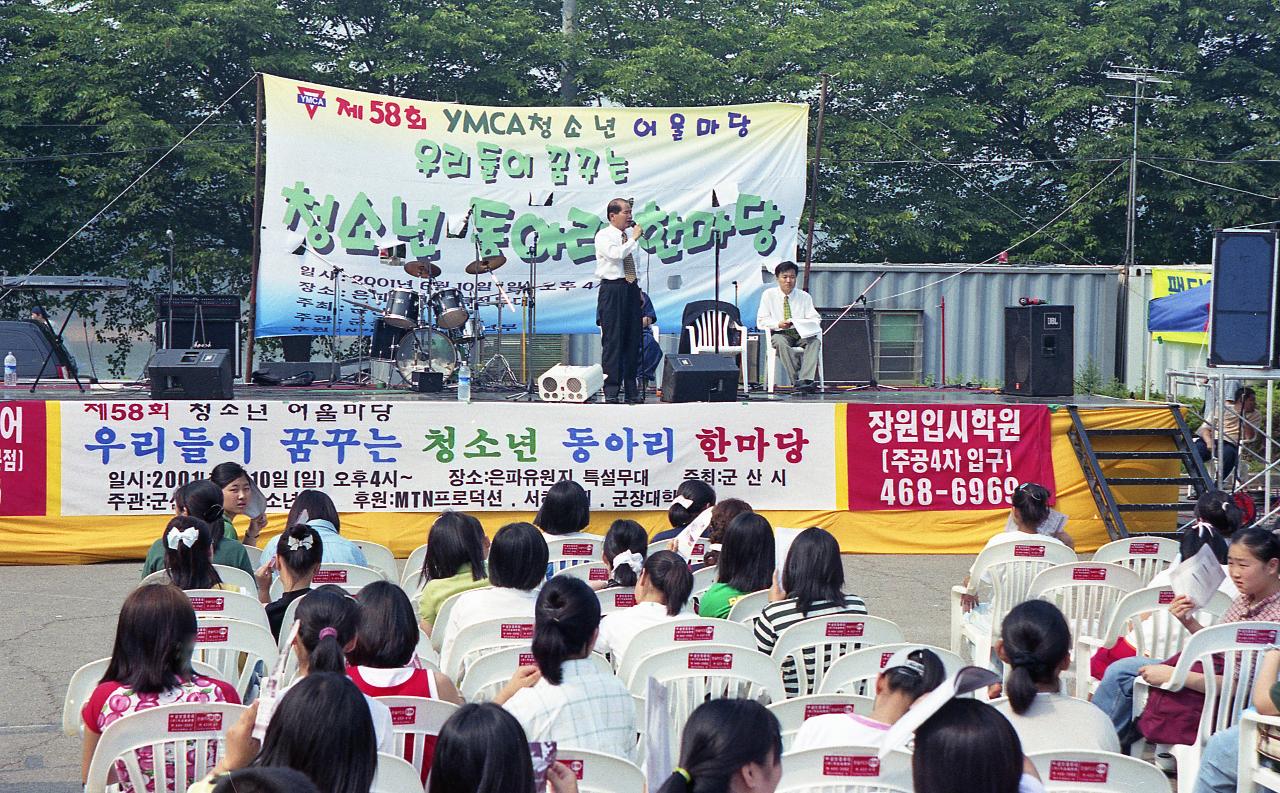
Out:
{"x": 88, "y": 477}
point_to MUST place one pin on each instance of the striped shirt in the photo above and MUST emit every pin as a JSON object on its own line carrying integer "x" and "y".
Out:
{"x": 781, "y": 615}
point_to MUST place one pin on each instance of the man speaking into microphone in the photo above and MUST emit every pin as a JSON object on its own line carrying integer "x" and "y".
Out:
{"x": 618, "y": 303}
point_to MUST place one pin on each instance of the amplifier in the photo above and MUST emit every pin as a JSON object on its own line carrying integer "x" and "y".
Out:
{"x": 845, "y": 356}
{"x": 191, "y": 374}
{"x": 210, "y": 306}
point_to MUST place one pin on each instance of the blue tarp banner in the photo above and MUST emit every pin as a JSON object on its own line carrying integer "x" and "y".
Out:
{"x": 1181, "y": 312}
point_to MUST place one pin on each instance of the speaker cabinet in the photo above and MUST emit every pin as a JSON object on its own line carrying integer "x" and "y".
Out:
{"x": 191, "y": 374}
{"x": 200, "y": 322}
{"x": 1039, "y": 350}
{"x": 1242, "y": 309}
{"x": 845, "y": 355}
{"x": 704, "y": 377}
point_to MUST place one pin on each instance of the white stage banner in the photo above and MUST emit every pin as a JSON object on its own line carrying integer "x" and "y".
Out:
{"x": 349, "y": 173}
{"x": 405, "y": 456}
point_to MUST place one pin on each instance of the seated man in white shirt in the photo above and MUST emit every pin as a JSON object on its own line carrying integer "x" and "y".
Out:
{"x": 789, "y": 314}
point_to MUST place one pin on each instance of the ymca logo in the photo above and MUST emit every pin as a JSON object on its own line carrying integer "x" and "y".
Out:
{"x": 311, "y": 98}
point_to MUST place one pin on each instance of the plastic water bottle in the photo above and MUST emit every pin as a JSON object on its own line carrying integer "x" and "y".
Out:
{"x": 464, "y": 383}
{"x": 10, "y": 371}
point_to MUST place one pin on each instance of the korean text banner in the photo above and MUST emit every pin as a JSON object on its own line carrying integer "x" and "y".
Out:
{"x": 349, "y": 173}
{"x": 127, "y": 457}
{"x": 22, "y": 458}
{"x": 945, "y": 457}
{"x": 1172, "y": 282}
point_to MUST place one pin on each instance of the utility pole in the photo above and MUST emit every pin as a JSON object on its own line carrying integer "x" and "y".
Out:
{"x": 1140, "y": 77}
{"x": 568, "y": 73}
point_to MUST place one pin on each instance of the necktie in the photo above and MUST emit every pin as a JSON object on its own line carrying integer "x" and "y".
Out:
{"x": 786, "y": 308}
{"x": 628, "y": 265}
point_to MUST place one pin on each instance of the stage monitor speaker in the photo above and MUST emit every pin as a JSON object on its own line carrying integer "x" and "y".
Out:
{"x": 212, "y": 334}
{"x": 845, "y": 358}
{"x": 563, "y": 383}
{"x": 704, "y": 377}
{"x": 191, "y": 374}
{"x": 1242, "y": 315}
{"x": 1039, "y": 350}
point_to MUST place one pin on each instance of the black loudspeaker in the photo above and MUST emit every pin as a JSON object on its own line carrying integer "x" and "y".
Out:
{"x": 845, "y": 358}
{"x": 705, "y": 377}
{"x": 200, "y": 321}
{"x": 428, "y": 382}
{"x": 1039, "y": 350}
{"x": 1242, "y": 316}
{"x": 191, "y": 374}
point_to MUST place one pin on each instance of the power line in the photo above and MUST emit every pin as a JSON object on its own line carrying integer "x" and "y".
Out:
{"x": 112, "y": 152}
{"x": 1211, "y": 184}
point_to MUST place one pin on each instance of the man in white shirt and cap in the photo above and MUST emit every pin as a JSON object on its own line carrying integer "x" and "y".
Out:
{"x": 618, "y": 302}
{"x": 796, "y": 327}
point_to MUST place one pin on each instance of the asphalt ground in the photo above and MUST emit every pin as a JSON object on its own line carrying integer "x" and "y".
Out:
{"x": 53, "y": 620}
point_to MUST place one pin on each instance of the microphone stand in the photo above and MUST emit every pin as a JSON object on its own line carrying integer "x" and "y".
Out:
{"x": 168, "y": 328}
{"x": 530, "y": 394}
{"x": 335, "y": 368}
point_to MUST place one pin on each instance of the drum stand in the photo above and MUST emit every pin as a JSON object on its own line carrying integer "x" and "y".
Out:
{"x": 530, "y": 326}
{"x": 505, "y": 377}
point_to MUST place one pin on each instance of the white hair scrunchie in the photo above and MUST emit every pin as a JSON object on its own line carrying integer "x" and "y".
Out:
{"x": 187, "y": 537}
{"x": 631, "y": 559}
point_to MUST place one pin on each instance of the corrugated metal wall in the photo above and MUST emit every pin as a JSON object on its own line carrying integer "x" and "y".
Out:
{"x": 1154, "y": 359}
{"x": 975, "y": 300}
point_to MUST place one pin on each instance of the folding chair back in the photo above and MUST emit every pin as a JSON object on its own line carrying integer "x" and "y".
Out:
{"x": 420, "y": 717}
{"x": 255, "y": 556}
{"x": 846, "y": 769}
{"x": 681, "y": 632}
{"x": 811, "y": 646}
{"x": 654, "y": 547}
{"x": 480, "y": 639}
{"x": 413, "y": 568}
{"x": 379, "y": 557}
{"x": 232, "y": 605}
{"x": 600, "y": 773}
{"x": 703, "y": 578}
{"x": 1094, "y": 772}
{"x": 286, "y": 624}
{"x": 193, "y": 731}
{"x": 616, "y": 598}
{"x": 442, "y": 619}
{"x": 394, "y": 775}
{"x": 748, "y": 607}
{"x": 490, "y": 672}
{"x": 351, "y": 577}
{"x": 1145, "y": 556}
{"x": 569, "y": 551}
{"x": 1086, "y": 593}
{"x": 589, "y": 572}
{"x": 85, "y": 679}
{"x": 793, "y": 713}
{"x": 1240, "y": 646}
{"x": 856, "y": 672}
{"x": 234, "y": 648}
{"x": 234, "y": 576}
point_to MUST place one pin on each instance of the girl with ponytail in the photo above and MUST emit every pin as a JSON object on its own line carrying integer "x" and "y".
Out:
{"x": 624, "y": 549}
{"x": 202, "y": 500}
{"x": 567, "y": 697}
{"x": 662, "y": 593}
{"x": 728, "y": 745}
{"x": 1035, "y": 646}
{"x": 188, "y": 555}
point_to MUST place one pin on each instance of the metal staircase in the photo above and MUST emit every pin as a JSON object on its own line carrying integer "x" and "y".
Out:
{"x": 1103, "y": 485}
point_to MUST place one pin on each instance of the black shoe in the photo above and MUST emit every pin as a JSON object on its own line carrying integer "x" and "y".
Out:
{"x": 610, "y": 399}
{"x": 635, "y": 399}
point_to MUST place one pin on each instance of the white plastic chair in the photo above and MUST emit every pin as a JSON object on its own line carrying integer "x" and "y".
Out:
{"x": 1009, "y": 568}
{"x": 845, "y": 769}
{"x": 711, "y": 331}
{"x": 234, "y": 576}
{"x": 856, "y": 672}
{"x": 748, "y": 607}
{"x": 379, "y": 557}
{"x": 589, "y": 572}
{"x": 567, "y": 551}
{"x": 601, "y": 773}
{"x": 616, "y": 598}
{"x": 681, "y": 632}
{"x": 1068, "y": 771}
{"x": 85, "y": 679}
{"x": 255, "y": 556}
{"x": 1144, "y": 616}
{"x": 1145, "y": 556}
{"x": 1251, "y": 774}
{"x": 351, "y": 577}
{"x": 442, "y": 619}
{"x": 286, "y": 624}
{"x": 413, "y": 569}
{"x": 232, "y": 605}
{"x": 654, "y": 547}
{"x": 234, "y": 648}
{"x": 811, "y": 646}
{"x": 703, "y": 578}
{"x": 416, "y": 716}
{"x": 771, "y": 364}
{"x": 490, "y": 672}
{"x": 1241, "y": 646}
{"x": 395, "y": 775}
{"x": 792, "y": 713}
{"x": 186, "y": 729}
{"x": 482, "y": 638}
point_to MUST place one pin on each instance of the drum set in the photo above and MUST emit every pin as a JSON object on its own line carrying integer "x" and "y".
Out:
{"x": 437, "y": 330}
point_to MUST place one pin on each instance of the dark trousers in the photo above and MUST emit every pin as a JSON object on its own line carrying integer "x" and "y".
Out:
{"x": 1230, "y": 455}
{"x": 618, "y": 315}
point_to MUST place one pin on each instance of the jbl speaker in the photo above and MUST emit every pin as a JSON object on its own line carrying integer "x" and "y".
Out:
{"x": 845, "y": 356}
{"x": 1242, "y": 310}
{"x": 1039, "y": 350}
{"x": 704, "y": 377}
{"x": 201, "y": 321}
{"x": 191, "y": 374}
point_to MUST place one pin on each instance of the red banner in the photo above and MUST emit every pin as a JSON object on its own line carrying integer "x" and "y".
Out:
{"x": 22, "y": 458}
{"x": 945, "y": 456}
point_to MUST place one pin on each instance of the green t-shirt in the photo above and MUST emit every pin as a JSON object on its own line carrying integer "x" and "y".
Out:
{"x": 717, "y": 600}
{"x": 438, "y": 590}
{"x": 230, "y": 552}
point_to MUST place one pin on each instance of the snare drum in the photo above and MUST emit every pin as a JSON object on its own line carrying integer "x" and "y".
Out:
{"x": 402, "y": 309}
{"x": 449, "y": 309}
{"x": 471, "y": 331}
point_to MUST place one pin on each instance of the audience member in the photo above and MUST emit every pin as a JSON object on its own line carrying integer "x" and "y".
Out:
{"x": 711, "y": 541}
{"x": 746, "y": 564}
{"x": 237, "y": 488}
{"x": 565, "y": 511}
{"x": 1030, "y": 513}
{"x": 202, "y": 499}
{"x": 907, "y": 676}
{"x": 265, "y": 780}
{"x": 624, "y": 549}
{"x": 298, "y": 554}
{"x": 693, "y": 497}
{"x": 812, "y": 585}
{"x": 976, "y": 601}
{"x": 454, "y": 563}
{"x": 483, "y": 749}
{"x": 1219, "y": 760}
{"x": 1237, "y": 426}
{"x": 968, "y": 747}
{"x": 150, "y": 665}
{"x": 567, "y": 697}
{"x": 188, "y": 554}
{"x": 317, "y": 510}
{"x": 1035, "y": 646}
{"x": 662, "y": 591}
{"x": 728, "y": 746}
{"x": 517, "y": 569}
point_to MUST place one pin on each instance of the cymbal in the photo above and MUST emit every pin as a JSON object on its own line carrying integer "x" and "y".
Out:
{"x": 486, "y": 265}
{"x": 358, "y": 304}
{"x": 422, "y": 269}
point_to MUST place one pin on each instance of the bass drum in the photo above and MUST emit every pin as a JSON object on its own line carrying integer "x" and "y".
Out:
{"x": 426, "y": 350}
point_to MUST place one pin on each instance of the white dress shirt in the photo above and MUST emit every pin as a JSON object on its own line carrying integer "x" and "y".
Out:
{"x": 590, "y": 709}
{"x": 620, "y": 627}
{"x": 804, "y": 316}
{"x": 491, "y": 603}
{"x": 612, "y": 246}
